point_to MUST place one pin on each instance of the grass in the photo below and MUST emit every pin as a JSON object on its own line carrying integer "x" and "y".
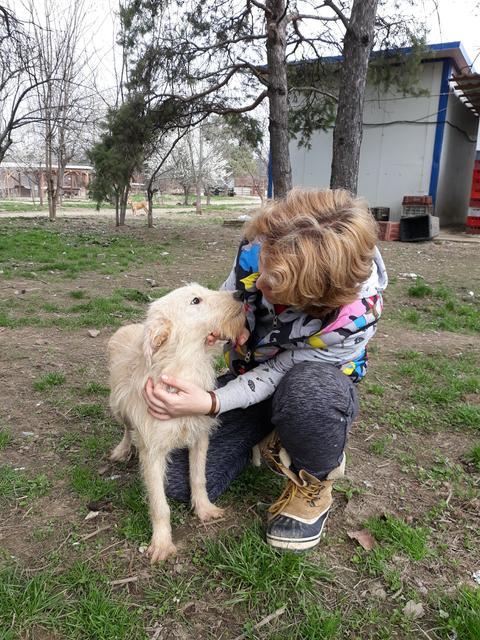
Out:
{"x": 440, "y": 308}
{"x": 5, "y": 438}
{"x": 461, "y": 615}
{"x": 436, "y": 393}
{"x": 394, "y": 538}
{"x": 77, "y": 603}
{"x": 255, "y": 575}
{"x": 20, "y": 485}
{"x": 77, "y": 294}
{"x": 92, "y": 410}
{"x": 95, "y": 389}
{"x": 29, "y": 252}
{"x": 89, "y": 485}
{"x": 380, "y": 445}
{"x": 401, "y": 537}
{"x": 473, "y": 456}
{"x": 98, "y": 312}
{"x": 135, "y": 521}
{"x": 420, "y": 289}
{"x": 49, "y": 380}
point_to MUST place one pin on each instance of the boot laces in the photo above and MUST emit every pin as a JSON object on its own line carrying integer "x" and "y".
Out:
{"x": 309, "y": 492}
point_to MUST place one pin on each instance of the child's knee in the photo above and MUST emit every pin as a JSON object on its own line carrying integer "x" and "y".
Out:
{"x": 314, "y": 391}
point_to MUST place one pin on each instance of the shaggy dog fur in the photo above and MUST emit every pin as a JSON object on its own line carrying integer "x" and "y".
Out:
{"x": 172, "y": 341}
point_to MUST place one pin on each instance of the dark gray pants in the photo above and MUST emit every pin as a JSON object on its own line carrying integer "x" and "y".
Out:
{"x": 312, "y": 410}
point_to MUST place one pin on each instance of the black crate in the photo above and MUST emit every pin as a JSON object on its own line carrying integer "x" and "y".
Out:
{"x": 417, "y": 228}
{"x": 382, "y": 214}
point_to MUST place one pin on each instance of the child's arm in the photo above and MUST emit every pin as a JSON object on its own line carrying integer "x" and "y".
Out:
{"x": 260, "y": 383}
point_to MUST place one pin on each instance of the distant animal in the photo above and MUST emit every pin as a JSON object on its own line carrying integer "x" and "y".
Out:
{"x": 138, "y": 206}
{"x": 172, "y": 341}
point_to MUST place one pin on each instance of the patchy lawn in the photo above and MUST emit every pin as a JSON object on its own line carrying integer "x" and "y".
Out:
{"x": 413, "y": 457}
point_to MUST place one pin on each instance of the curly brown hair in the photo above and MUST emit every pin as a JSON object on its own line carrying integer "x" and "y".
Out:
{"x": 317, "y": 247}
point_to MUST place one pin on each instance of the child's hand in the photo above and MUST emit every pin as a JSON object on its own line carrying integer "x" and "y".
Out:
{"x": 241, "y": 338}
{"x": 188, "y": 400}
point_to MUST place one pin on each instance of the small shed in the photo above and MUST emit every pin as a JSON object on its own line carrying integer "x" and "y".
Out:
{"x": 412, "y": 145}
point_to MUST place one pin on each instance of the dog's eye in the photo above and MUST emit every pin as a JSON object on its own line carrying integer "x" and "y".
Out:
{"x": 195, "y": 301}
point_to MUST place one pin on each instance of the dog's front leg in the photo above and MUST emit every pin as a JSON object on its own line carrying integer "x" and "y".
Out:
{"x": 204, "y": 509}
{"x": 161, "y": 545}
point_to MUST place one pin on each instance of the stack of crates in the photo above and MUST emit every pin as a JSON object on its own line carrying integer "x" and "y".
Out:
{"x": 418, "y": 222}
{"x": 417, "y": 206}
{"x": 473, "y": 218}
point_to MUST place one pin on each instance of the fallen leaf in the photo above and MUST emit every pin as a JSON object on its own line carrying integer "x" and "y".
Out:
{"x": 93, "y": 333}
{"x": 91, "y": 514}
{"x": 189, "y": 608}
{"x": 377, "y": 591}
{"x": 413, "y": 610}
{"x": 364, "y": 538}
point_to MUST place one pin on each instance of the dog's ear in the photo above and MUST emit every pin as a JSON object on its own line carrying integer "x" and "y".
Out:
{"x": 156, "y": 334}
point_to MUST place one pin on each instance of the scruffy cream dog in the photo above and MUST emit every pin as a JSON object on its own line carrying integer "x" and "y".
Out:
{"x": 172, "y": 341}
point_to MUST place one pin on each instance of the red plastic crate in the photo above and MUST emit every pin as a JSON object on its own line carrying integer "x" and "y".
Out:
{"x": 474, "y": 203}
{"x": 473, "y": 221}
{"x": 413, "y": 200}
{"x": 475, "y": 193}
{"x": 472, "y": 230}
{"x": 389, "y": 231}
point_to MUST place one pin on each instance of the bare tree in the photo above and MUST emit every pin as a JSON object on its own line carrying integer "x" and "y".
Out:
{"x": 18, "y": 78}
{"x": 60, "y": 95}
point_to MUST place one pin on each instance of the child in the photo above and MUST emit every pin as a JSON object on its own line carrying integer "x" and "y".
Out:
{"x": 311, "y": 279}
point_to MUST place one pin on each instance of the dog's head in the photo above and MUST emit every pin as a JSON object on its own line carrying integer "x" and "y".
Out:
{"x": 186, "y": 316}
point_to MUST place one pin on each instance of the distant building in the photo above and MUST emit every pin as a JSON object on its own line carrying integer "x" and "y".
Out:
{"x": 412, "y": 145}
{"x": 19, "y": 180}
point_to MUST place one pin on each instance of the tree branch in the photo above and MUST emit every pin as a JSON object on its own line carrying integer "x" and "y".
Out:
{"x": 258, "y": 4}
{"x": 311, "y": 16}
{"x": 309, "y": 89}
{"x": 339, "y": 12}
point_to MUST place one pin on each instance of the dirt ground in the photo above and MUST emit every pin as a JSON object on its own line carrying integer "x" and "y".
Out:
{"x": 46, "y": 434}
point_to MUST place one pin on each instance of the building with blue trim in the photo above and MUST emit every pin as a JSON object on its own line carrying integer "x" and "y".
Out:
{"x": 412, "y": 145}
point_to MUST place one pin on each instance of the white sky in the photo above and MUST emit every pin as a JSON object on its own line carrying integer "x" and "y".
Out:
{"x": 456, "y": 20}
{"x": 453, "y": 20}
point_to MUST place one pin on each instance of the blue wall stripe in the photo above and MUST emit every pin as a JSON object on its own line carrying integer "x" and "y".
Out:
{"x": 440, "y": 128}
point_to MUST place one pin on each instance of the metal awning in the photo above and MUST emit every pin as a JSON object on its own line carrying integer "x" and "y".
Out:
{"x": 469, "y": 87}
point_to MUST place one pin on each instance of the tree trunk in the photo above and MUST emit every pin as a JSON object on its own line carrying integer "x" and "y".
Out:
{"x": 347, "y": 134}
{"x": 198, "y": 191}
{"x": 209, "y": 196}
{"x": 123, "y": 205}
{"x": 186, "y": 193}
{"x": 52, "y": 202}
{"x": 278, "y": 96}
{"x": 117, "y": 210}
{"x": 150, "y": 192}
{"x": 198, "y": 185}
{"x": 41, "y": 184}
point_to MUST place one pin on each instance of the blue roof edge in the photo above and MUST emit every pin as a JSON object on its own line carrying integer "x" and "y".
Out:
{"x": 436, "y": 46}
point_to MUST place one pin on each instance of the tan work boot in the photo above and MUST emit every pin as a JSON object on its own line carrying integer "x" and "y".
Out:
{"x": 296, "y": 520}
{"x": 271, "y": 452}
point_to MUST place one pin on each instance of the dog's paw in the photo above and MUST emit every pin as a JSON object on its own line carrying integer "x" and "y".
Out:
{"x": 121, "y": 453}
{"x": 209, "y": 512}
{"x": 161, "y": 551}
